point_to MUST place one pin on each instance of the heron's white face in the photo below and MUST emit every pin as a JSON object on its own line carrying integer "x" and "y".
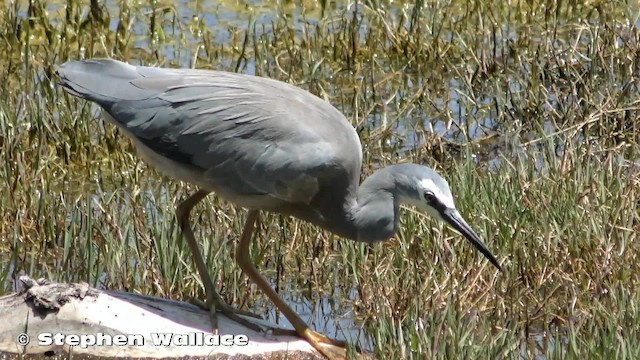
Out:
{"x": 442, "y": 195}
{"x": 429, "y": 196}
{"x": 432, "y": 195}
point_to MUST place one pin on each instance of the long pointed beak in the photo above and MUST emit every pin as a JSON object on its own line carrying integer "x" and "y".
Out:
{"x": 453, "y": 218}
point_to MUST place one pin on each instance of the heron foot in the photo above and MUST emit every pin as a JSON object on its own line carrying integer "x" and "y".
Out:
{"x": 323, "y": 339}
{"x": 330, "y": 348}
{"x": 213, "y": 306}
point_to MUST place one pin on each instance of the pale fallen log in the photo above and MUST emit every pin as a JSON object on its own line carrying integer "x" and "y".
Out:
{"x": 110, "y": 324}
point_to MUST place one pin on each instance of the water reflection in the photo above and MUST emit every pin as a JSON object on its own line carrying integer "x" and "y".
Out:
{"x": 332, "y": 316}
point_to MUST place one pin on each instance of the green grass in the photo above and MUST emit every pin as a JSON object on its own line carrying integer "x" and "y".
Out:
{"x": 530, "y": 110}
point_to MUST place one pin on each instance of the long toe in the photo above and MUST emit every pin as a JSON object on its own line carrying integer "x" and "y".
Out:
{"x": 331, "y": 348}
{"x": 329, "y": 351}
{"x": 333, "y": 352}
{"x": 228, "y": 311}
{"x": 240, "y": 317}
{"x": 327, "y": 340}
{"x": 316, "y": 335}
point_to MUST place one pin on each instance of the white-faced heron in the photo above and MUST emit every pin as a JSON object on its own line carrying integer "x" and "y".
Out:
{"x": 263, "y": 145}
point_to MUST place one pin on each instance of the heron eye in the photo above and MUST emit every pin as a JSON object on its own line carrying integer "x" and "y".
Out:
{"x": 429, "y": 196}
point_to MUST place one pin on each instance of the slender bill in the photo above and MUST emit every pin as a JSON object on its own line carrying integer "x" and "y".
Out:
{"x": 453, "y": 218}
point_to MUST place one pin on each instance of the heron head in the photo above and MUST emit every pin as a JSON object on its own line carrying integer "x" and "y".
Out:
{"x": 432, "y": 195}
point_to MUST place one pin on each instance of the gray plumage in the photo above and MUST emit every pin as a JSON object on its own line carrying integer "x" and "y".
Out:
{"x": 262, "y": 144}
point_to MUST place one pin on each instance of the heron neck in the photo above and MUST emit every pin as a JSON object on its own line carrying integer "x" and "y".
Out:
{"x": 368, "y": 213}
{"x": 375, "y": 214}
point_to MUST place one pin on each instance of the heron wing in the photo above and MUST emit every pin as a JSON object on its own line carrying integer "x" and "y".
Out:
{"x": 248, "y": 135}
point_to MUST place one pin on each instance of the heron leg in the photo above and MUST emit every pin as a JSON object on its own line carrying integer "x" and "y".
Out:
{"x": 333, "y": 349}
{"x": 214, "y": 300}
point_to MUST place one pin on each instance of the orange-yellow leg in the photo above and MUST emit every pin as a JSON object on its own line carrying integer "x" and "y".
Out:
{"x": 333, "y": 349}
{"x": 214, "y": 302}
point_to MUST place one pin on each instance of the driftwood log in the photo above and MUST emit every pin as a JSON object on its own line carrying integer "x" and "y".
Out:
{"x": 74, "y": 319}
